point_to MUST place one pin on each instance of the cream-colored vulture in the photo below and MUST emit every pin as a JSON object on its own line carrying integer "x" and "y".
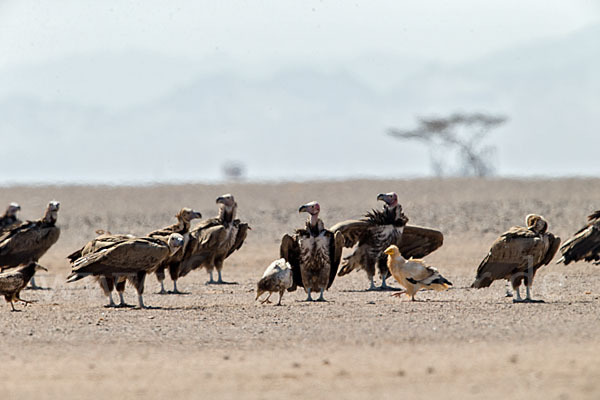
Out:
{"x": 10, "y": 219}
{"x": 132, "y": 258}
{"x": 380, "y": 229}
{"x": 517, "y": 255}
{"x": 215, "y": 239}
{"x": 184, "y": 218}
{"x": 313, "y": 252}
{"x": 277, "y": 278}
{"x": 414, "y": 274}
{"x": 14, "y": 280}
{"x": 30, "y": 240}
{"x": 585, "y": 244}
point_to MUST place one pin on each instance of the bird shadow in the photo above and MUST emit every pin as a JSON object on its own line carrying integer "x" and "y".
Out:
{"x": 221, "y": 283}
{"x": 388, "y": 289}
{"x": 170, "y": 292}
{"x": 35, "y": 288}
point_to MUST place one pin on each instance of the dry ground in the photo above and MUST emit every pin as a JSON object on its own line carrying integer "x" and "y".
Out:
{"x": 217, "y": 342}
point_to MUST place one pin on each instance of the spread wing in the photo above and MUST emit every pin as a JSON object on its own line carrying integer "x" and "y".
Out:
{"x": 27, "y": 242}
{"x": 585, "y": 245}
{"x": 354, "y": 231}
{"x": 337, "y": 245}
{"x": 417, "y": 241}
{"x": 290, "y": 251}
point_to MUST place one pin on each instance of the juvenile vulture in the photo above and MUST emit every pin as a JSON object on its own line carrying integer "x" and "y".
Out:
{"x": 413, "y": 274}
{"x": 313, "y": 252}
{"x": 30, "y": 240}
{"x": 215, "y": 239}
{"x": 516, "y": 256}
{"x": 107, "y": 282}
{"x": 585, "y": 244}
{"x": 132, "y": 258}
{"x": 14, "y": 280}
{"x": 184, "y": 218}
{"x": 277, "y": 278}
{"x": 9, "y": 219}
{"x": 380, "y": 229}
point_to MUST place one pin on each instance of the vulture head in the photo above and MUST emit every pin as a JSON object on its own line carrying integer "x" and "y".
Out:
{"x": 52, "y": 211}
{"x": 313, "y": 208}
{"x": 175, "y": 242}
{"x": 390, "y": 199}
{"x": 187, "y": 214}
{"x": 536, "y": 223}
{"x": 12, "y": 209}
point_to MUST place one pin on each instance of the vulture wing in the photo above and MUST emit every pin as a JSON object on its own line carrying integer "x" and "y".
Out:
{"x": 353, "y": 230}
{"x": 239, "y": 239}
{"x": 10, "y": 281}
{"x": 203, "y": 244}
{"x": 417, "y": 242}
{"x": 552, "y": 249}
{"x": 101, "y": 242}
{"x": 290, "y": 251}
{"x": 337, "y": 245}
{"x": 27, "y": 242}
{"x": 585, "y": 245}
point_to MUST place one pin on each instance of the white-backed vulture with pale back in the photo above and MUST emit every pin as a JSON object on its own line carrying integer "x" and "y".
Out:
{"x": 184, "y": 218}
{"x": 276, "y": 279}
{"x": 585, "y": 244}
{"x": 413, "y": 274}
{"x": 517, "y": 255}
{"x": 132, "y": 258}
{"x": 14, "y": 280}
{"x": 314, "y": 253}
{"x": 10, "y": 219}
{"x": 30, "y": 240}
{"x": 215, "y": 239}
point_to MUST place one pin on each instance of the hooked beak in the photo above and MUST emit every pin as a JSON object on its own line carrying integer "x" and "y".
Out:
{"x": 381, "y": 197}
{"x": 39, "y": 267}
{"x": 302, "y": 209}
{"x": 258, "y": 294}
{"x": 197, "y": 214}
{"x": 220, "y": 200}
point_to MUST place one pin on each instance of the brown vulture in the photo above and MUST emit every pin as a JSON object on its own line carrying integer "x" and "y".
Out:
{"x": 30, "y": 240}
{"x": 215, "y": 239}
{"x": 585, "y": 244}
{"x": 184, "y": 218}
{"x": 277, "y": 278}
{"x": 517, "y": 255}
{"x": 132, "y": 259}
{"x": 380, "y": 229}
{"x": 313, "y": 252}
{"x": 9, "y": 219}
{"x": 15, "y": 279}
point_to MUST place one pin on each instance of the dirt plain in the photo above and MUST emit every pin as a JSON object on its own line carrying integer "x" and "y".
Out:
{"x": 216, "y": 342}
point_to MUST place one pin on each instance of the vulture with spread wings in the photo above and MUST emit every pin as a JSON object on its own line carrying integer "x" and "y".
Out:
{"x": 585, "y": 244}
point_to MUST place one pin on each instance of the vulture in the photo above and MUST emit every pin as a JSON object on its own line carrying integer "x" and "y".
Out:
{"x": 517, "y": 255}
{"x": 215, "y": 239}
{"x": 314, "y": 253}
{"x": 277, "y": 278}
{"x": 414, "y": 274}
{"x": 30, "y": 240}
{"x": 380, "y": 229}
{"x": 15, "y": 279}
{"x": 107, "y": 282}
{"x": 132, "y": 259}
{"x": 184, "y": 218}
{"x": 9, "y": 219}
{"x": 585, "y": 244}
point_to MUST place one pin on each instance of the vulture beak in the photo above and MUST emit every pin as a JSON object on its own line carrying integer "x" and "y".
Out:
{"x": 197, "y": 214}
{"x": 303, "y": 208}
{"x": 39, "y": 267}
{"x": 220, "y": 200}
{"x": 258, "y": 294}
{"x": 381, "y": 197}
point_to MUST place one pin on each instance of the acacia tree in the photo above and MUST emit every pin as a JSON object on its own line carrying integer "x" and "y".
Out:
{"x": 463, "y": 134}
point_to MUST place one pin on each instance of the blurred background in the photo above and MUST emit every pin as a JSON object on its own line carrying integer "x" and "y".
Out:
{"x": 123, "y": 92}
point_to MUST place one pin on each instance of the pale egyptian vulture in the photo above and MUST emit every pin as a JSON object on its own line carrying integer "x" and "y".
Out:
{"x": 313, "y": 252}
{"x": 380, "y": 229}
{"x": 30, "y": 240}
{"x": 516, "y": 256}
{"x": 585, "y": 244}
{"x": 277, "y": 278}
{"x": 414, "y": 274}
{"x": 14, "y": 280}
{"x": 184, "y": 218}
{"x": 132, "y": 258}
{"x": 10, "y": 219}
{"x": 215, "y": 239}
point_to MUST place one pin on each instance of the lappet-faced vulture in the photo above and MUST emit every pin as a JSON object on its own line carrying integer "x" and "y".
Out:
{"x": 14, "y": 280}
{"x": 585, "y": 244}
{"x": 10, "y": 219}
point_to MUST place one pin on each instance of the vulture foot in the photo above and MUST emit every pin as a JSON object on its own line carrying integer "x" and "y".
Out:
{"x": 163, "y": 291}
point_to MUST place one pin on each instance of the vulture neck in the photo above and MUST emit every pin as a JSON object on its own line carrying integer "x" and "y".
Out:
{"x": 50, "y": 217}
{"x": 182, "y": 225}
{"x": 28, "y": 271}
{"x": 227, "y": 214}
{"x": 314, "y": 225}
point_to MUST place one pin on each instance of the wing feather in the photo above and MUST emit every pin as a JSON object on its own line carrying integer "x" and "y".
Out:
{"x": 417, "y": 241}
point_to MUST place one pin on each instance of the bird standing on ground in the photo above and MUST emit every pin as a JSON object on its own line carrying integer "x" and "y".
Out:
{"x": 277, "y": 278}
{"x": 14, "y": 280}
{"x": 413, "y": 274}
{"x": 585, "y": 244}
{"x": 10, "y": 219}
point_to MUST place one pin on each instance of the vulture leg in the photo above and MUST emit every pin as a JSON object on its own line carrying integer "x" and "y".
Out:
{"x": 174, "y": 273}
{"x": 384, "y": 285}
{"x": 111, "y": 303}
{"x": 518, "y": 298}
{"x": 211, "y": 280}
{"x": 160, "y": 276}
{"x": 528, "y": 298}
{"x": 25, "y": 301}
{"x": 33, "y": 286}
{"x": 219, "y": 280}
{"x": 139, "y": 286}
{"x": 309, "y": 298}
{"x": 162, "y": 287}
{"x": 372, "y": 286}
{"x": 280, "y": 297}
{"x": 321, "y": 298}
{"x": 12, "y": 306}
{"x": 508, "y": 292}
{"x": 120, "y": 289}
{"x": 267, "y": 299}
{"x": 175, "y": 290}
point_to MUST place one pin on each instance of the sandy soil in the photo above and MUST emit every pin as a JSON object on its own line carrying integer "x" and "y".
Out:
{"x": 217, "y": 342}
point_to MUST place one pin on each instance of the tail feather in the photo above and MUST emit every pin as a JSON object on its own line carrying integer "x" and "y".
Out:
{"x": 351, "y": 263}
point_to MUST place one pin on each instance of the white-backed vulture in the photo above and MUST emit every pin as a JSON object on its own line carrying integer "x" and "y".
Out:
{"x": 517, "y": 255}
{"x": 277, "y": 278}
{"x": 10, "y": 219}
{"x": 378, "y": 230}
{"x": 215, "y": 239}
{"x": 413, "y": 274}
{"x": 30, "y": 240}
{"x": 313, "y": 252}
{"x": 585, "y": 244}
{"x": 184, "y": 218}
{"x": 15, "y": 279}
{"x": 132, "y": 259}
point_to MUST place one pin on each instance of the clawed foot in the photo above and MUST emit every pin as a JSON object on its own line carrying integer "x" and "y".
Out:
{"x": 322, "y": 300}
{"x": 265, "y": 301}
{"x": 398, "y": 294}
{"x": 163, "y": 291}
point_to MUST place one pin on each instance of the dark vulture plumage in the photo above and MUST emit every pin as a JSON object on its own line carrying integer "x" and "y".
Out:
{"x": 377, "y": 231}
{"x": 215, "y": 239}
{"x": 10, "y": 219}
{"x": 14, "y": 280}
{"x": 30, "y": 240}
{"x": 517, "y": 255}
{"x": 132, "y": 259}
{"x": 313, "y": 252}
{"x": 585, "y": 244}
{"x": 184, "y": 218}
